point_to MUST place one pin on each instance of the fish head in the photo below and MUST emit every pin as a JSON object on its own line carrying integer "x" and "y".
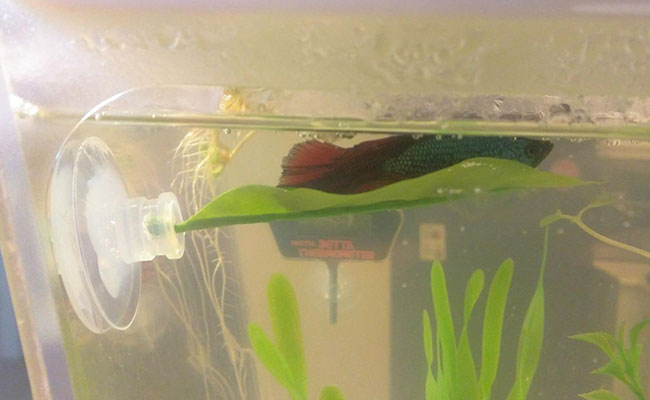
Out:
{"x": 533, "y": 151}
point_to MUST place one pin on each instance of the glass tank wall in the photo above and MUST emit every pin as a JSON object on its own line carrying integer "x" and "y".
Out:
{"x": 514, "y": 284}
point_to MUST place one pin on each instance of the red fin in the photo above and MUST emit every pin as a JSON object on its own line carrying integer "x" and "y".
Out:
{"x": 308, "y": 161}
{"x": 335, "y": 169}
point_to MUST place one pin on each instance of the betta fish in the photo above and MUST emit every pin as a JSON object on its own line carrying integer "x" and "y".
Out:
{"x": 375, "y": 163}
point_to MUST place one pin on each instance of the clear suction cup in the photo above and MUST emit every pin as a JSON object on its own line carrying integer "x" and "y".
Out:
{"x": 100, "y": 235}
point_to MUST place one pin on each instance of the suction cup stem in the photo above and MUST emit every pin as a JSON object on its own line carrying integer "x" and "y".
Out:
{"x": 100, "y": 235}
{"x": 145, "y": 229}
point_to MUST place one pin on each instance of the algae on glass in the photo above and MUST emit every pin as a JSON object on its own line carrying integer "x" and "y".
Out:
{"x": 285, "y": 359}
{"x": 457, "y": 377}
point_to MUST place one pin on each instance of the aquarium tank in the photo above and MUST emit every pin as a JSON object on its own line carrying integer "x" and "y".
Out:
{"x": 328, "y": 200}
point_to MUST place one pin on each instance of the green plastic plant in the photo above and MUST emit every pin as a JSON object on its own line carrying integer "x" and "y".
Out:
{"x": 623, "y": 360}
{"x": 577, "y": 220}
{"x": 478, "y": 176}
{"x": 285, "y": 359}
{"x": 456, "y": 376}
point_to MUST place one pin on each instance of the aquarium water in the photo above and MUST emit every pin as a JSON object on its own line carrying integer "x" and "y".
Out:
{"x": 334, "y": 307}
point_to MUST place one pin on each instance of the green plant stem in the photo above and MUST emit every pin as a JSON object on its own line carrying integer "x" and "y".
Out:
{"x": 577, "y": 219}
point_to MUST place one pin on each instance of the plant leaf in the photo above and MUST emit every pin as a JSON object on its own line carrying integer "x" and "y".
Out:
{"x": 601, "y": 339}
{"x": 285, "y": 321}
{"x": 331, "y": 393}
{"x": 444, "y": 327}
{"x": 427, "y": 337}
{"x": 492, "y": 326}
{"x": 257, "y": 203}
{"x": 472, "y": 293}
{"x": 600, "y": 394}
{"x": 636, "y": 331}
{"x": 466, "y": 386}
{"x": 531, "y": 336}
{"x": 270, "y": 357}
{"x": 442, "y": 388}
{"x": 430, "y": 386}
{"x": 530, "y": 346}
{"x": 613, "y": 368}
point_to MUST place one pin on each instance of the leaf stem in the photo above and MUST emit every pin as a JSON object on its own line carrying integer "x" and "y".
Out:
{"x": 577, "y": 219}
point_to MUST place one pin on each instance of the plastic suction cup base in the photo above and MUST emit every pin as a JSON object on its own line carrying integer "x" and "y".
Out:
{"x": 86, "y": 191}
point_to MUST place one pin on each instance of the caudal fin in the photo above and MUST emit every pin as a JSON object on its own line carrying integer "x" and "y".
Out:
{"x": 309, "y": 161}
{"x": 335, "y": 169}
